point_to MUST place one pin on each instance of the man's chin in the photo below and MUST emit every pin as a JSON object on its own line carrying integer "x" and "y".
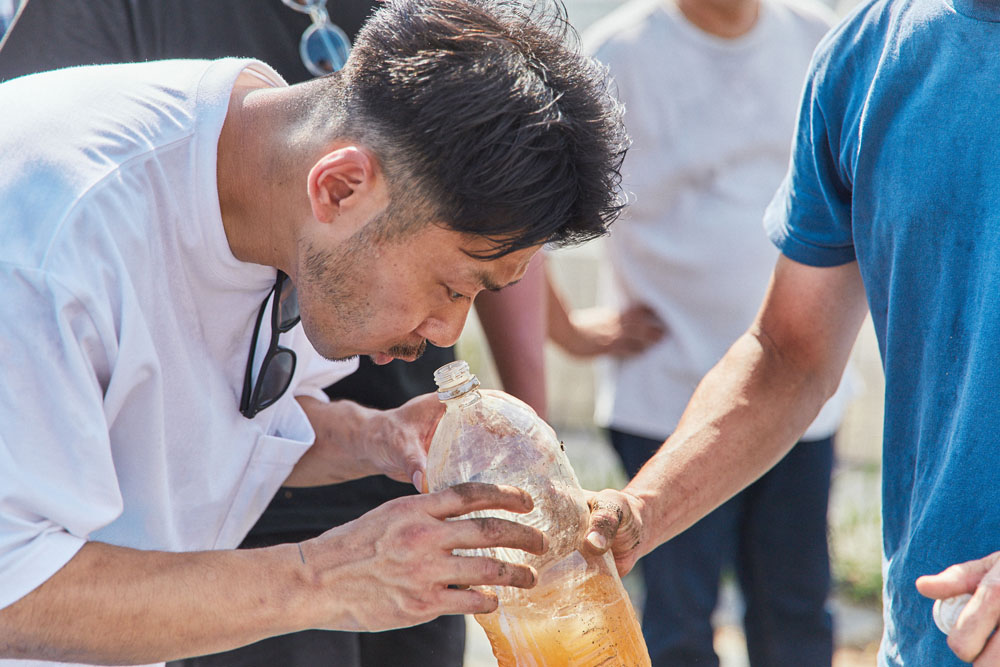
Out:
{"x": 336, "y": 358}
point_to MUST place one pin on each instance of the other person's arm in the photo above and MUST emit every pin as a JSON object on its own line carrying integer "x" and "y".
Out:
{"x": 513, "y": 321}
{"x": 746, "y": 413}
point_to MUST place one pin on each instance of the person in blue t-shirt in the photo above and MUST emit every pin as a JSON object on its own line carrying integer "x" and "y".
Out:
{"x": 891, "y": 204}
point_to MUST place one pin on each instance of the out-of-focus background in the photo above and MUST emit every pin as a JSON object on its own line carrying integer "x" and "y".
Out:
{"x": 855, "y": 530}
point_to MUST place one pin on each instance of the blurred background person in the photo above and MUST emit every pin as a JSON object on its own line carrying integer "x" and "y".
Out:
{"x": 711, "y": 89}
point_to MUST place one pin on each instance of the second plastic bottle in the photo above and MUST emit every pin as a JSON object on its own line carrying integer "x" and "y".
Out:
{"x": 578, "y": 614}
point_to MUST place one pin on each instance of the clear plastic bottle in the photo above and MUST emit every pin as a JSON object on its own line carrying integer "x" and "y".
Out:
{"x": 578, "y": 614}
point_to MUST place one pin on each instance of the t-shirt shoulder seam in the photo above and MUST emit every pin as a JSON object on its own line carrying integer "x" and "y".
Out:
{"x": 95, "y": 187}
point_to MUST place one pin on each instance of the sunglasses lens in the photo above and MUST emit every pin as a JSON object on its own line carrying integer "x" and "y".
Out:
{"x": 275, "y": 376}
{"x": 324, "y": 48}
{"x": 288, "y": 306}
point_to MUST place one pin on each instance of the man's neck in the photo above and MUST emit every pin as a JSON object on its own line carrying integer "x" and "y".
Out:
{"x": 254, "y": 215}
{"x": 724, "y": 18}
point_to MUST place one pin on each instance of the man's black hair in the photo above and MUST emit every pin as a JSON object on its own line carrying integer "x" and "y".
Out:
{"x": 485, "y": 114}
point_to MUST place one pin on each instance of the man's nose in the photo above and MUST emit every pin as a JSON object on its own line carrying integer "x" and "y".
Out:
{"x": 444, "y": 326}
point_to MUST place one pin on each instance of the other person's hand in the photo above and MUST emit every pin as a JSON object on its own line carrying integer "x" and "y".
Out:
{"x": 393, "y": 567}
{"x": 602, "y": 331}
{"x": 616, "y": 524}
{"x": 974, "y": 638}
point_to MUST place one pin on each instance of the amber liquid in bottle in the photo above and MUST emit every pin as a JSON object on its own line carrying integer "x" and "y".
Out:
{"x": 578, "y": 614}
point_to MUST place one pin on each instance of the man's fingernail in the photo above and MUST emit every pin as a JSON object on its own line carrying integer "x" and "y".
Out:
{"x": 597, "y": 540}
{"x": 418, "y": 481}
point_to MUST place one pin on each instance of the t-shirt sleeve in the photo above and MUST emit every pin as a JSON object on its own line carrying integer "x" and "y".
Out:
{"x": 57, "y": 477}
{"x": 809, "y": 218}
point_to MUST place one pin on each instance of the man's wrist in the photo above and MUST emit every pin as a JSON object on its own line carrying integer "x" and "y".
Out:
{"x": 296, "y": 588}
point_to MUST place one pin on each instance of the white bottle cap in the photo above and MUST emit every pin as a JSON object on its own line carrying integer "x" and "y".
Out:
{"x": 946, "y": 611}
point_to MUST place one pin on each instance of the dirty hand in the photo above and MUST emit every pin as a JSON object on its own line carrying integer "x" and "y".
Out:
{"x": 394, "y": 567}
{"x": 399, "y": 439}
{"x": 974, "y": 638}
{"x": 615, "y": 523}
{"x": 353, "y": 441}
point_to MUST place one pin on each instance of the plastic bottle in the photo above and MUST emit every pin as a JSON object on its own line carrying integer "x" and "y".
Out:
{"x": 578, "y": 614}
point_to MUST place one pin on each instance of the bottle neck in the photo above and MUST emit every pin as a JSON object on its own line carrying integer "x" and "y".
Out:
{"x": 470, "y": 397}
{"x": 462, "y": 395}
{"x": 456, "y": 385}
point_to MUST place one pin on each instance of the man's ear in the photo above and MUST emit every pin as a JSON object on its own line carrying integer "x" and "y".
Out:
{"x": 342, "y": 181}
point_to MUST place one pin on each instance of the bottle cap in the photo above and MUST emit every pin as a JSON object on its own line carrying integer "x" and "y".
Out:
{"x": 454, "y": 379}
{"x": 945, "y": 612}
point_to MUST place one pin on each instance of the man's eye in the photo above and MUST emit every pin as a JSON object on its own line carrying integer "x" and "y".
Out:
{"x": 455, "y": 296}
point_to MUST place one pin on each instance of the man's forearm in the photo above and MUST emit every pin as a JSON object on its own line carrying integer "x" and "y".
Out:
{"x": 113, "y": 605}
{"x": 745, "y": 415}
{"x": 393, "y": 567}
{"x": 339, "y": 452}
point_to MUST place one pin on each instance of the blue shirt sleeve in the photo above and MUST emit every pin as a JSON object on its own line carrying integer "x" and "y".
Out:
{"x": 809, "y": 218}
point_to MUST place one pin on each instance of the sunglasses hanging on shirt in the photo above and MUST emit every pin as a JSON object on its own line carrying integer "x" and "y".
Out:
{"x": 278, "y": 366}
{"x": 324, "y": 45}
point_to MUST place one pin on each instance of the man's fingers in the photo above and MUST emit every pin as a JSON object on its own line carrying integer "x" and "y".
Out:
{"x": 615, "y": 523}
{"x": 486, "y": 532}
{"x": 486, "y": 571}
{"x": 473, "y": 497}
{"x": 974, "y": 637}
{"x": 470, "y": 601}
{"x": 978, "y": 620}
{"x": 957, "y": 579}
{"x": 606, "y": 514}
{"x": 990, "y": 656}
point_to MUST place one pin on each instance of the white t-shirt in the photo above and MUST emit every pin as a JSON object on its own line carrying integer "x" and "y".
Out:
{"x": 127, "y": 322}
{"x": 711, "y": 121}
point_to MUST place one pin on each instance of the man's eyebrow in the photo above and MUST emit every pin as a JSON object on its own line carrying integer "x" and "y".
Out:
{"x": 488, "y": 284}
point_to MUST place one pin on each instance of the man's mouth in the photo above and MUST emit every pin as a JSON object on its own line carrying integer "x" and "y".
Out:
{"x": 381, "y": 358}
{"x": 404, "y": 352}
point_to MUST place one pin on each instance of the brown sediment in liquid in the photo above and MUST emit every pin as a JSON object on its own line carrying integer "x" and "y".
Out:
{"x": 601, "y": 629}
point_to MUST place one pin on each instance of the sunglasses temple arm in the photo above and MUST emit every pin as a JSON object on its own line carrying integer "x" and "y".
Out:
{"x": 247, "y": 376}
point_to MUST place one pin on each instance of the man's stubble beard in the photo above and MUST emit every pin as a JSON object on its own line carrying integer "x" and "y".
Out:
{"x": 331, "y": 274}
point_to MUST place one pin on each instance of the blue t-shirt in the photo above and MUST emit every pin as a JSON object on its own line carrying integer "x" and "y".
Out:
{"x": 896, "y": 164}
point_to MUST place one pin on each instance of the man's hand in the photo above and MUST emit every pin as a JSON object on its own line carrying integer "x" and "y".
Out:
{"x": 391, "y": 568}
{"x": 974, "y": 637}
{"x": 353, "y": 441}
{"x": 394, "y": 567}
{"x": 399, "y": 439}
{"x": 615, "y": 523}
